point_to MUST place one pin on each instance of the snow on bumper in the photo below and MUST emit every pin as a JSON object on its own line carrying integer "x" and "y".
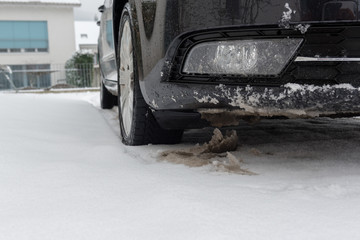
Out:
{"x": 290, "y": 100}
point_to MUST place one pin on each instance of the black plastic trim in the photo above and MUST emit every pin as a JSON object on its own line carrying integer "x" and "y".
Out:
{"x": 323, "y": 40}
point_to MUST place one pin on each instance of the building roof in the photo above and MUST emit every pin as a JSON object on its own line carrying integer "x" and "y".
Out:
{"x": 75, "y": 3}
{"x": 86, "y": 33}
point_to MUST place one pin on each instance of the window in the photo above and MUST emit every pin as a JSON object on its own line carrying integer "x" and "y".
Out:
{"x": 30, "y": 49}
{"x": 15, "y": 50}
{"x": 109, "y": 33}
{"x": 31, "y": 76}
{"x": 20, "y": 35}
{"x": 42, "y": 49}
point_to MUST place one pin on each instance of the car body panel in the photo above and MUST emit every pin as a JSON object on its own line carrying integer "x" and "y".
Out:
{"x": 330, "y": 30}
{"x": 107, "y": 54}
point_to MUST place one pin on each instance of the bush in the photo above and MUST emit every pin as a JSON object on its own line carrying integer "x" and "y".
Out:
{"x": 80, "y": 69}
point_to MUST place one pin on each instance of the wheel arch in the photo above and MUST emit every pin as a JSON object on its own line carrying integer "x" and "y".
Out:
{"x": 118, "y": 7}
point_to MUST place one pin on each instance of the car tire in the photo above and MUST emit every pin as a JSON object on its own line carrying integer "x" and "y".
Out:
{"x": 107, "y": 100}
{"x": 137, "y": 124}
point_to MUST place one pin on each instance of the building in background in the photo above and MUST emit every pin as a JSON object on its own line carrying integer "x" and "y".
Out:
{"x": 35, "y": 38}
{"x": 86, "y": 35}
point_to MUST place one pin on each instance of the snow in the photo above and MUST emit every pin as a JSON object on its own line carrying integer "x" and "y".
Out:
{"x": 207, "y": 99}
{"x": 287, "y": 14}
{"x": 269, "y": 102}
{"x": 64, "y": 174}
{"x": 286, "y": 17}
{"x": 302, "y": 28}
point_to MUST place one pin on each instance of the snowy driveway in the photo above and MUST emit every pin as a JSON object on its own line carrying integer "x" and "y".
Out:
{"x": 64, "y": 174}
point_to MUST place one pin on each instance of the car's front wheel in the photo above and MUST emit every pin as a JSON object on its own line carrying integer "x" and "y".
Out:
{"x": 137, "y": 123}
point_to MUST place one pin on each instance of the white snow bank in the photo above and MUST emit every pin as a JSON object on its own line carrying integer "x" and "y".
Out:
{"x": 64, "y": 174}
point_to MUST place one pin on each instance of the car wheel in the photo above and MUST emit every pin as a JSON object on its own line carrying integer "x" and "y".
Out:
{"x": 137, "y": 123}
{"x": 107, "y": 100}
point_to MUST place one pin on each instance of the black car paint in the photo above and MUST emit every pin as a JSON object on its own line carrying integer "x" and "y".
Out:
{"x": 162, "y": 26}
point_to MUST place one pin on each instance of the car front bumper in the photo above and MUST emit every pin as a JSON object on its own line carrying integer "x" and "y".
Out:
{"x": 262, "y": 100}
{"x": 207, "y": 102}
{"x": 322, "y": 79}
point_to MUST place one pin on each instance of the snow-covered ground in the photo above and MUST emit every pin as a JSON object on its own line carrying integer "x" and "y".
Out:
{"x": 64, "y": 174}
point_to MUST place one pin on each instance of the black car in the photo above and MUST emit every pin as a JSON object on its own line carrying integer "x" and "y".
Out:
{"x": 172, "y": 65}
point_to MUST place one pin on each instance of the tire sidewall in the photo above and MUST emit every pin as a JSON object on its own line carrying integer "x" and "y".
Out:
{"x": 126, "y": 16}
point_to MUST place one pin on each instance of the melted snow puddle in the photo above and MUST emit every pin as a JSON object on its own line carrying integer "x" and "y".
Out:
{"x": 216, "y": 154}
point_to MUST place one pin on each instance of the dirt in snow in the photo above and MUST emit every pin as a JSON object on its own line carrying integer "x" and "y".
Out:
{"x": 216, "y": 153}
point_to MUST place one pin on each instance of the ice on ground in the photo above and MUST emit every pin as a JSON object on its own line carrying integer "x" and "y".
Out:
{"x": 216, "y": 154}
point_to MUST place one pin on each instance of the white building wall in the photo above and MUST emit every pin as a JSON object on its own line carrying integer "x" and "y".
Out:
{"x": 60, "y": 29}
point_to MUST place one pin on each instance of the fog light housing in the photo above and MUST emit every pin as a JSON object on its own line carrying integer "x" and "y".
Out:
{"x": 241, "y": 57}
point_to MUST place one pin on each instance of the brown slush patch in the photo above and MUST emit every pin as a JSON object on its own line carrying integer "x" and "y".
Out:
{"x": 215, "y": 153}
